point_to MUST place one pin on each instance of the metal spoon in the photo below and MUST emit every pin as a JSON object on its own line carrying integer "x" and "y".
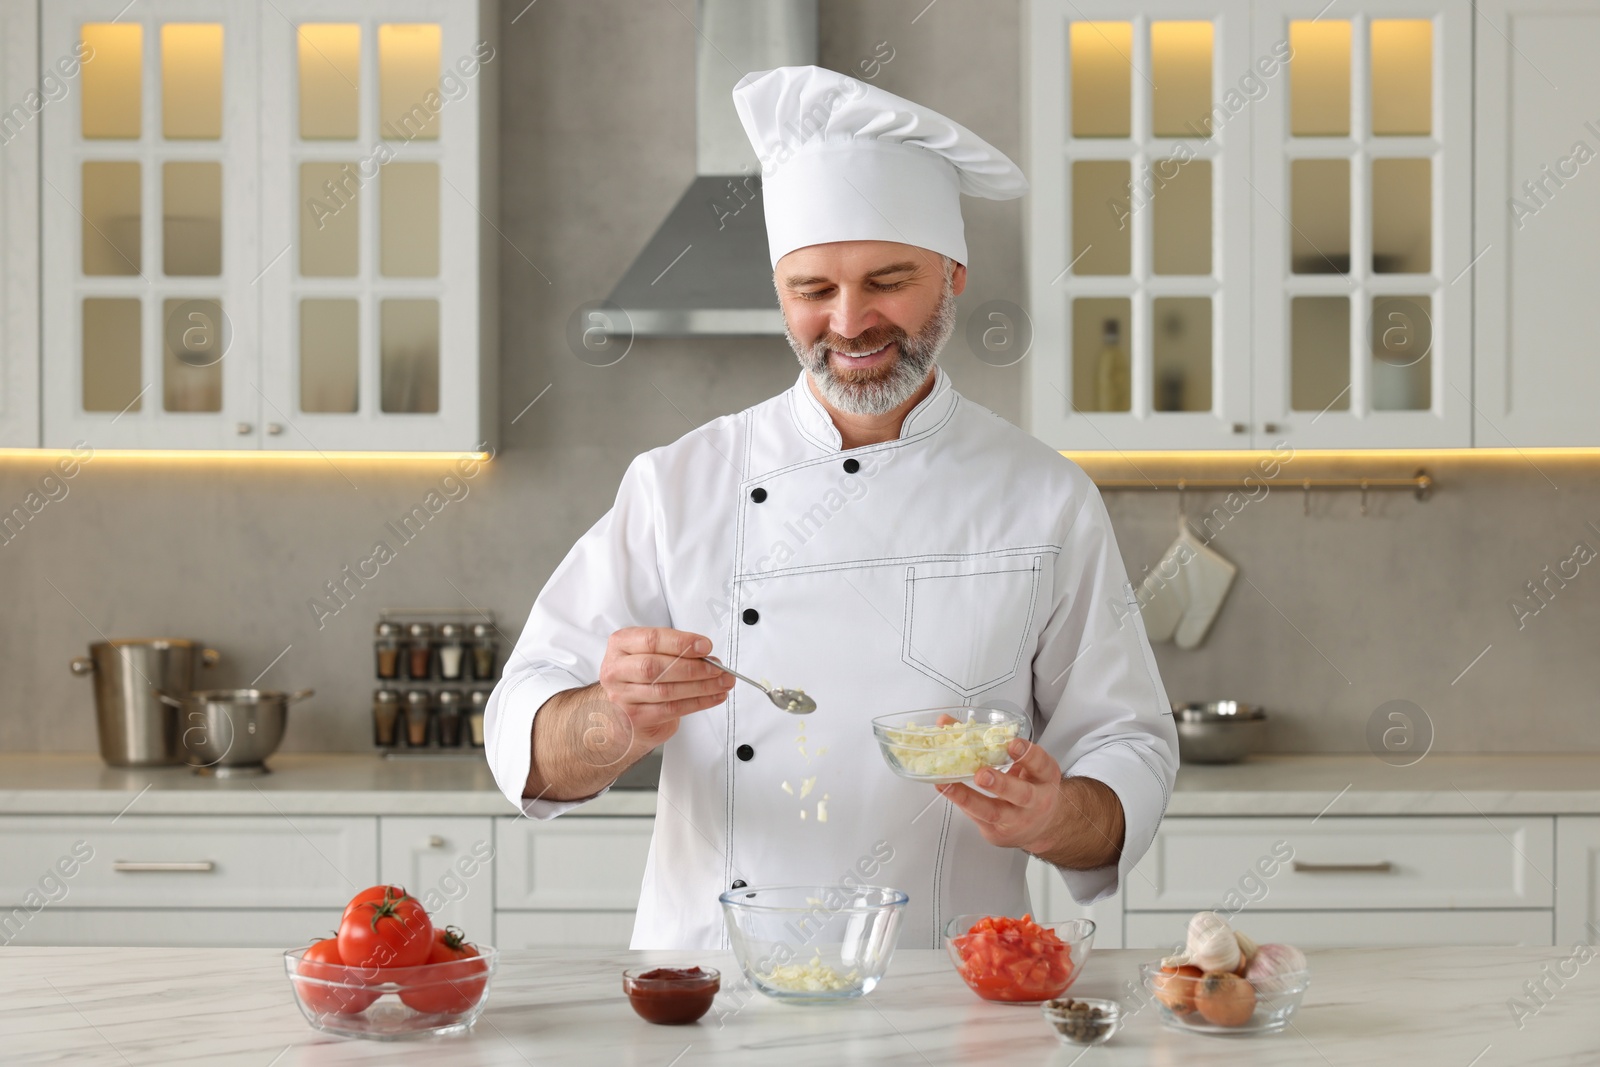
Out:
{"x": 794, "y": 701}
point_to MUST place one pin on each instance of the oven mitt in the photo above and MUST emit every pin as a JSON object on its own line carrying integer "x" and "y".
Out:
{"x": 1184, "y": 592}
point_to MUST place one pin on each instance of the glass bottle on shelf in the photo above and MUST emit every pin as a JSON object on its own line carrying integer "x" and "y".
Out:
{"x": 419, "y": 652}
{"x": 451, "y": 651}
{"x": 386, "y": 718}
{"x": 484, "y": 652}
{"x": 477, "y": 702}
{"x": 1111, "y": 371}
{"x": 419, "y": 703}
{"x": 388, "y": 650}
{"x": 451, "y": 705}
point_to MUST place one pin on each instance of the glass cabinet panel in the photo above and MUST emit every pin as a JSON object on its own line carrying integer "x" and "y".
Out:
{"x": 1180, "y": 62}
{"x": 1102, "y": 241}
{"x": 330, "y": 76}
{"x": 1319, "y": 353}
{"x": 1102, "y": 79}
{"x": 111, "y": 331}
{"x": 113, "y": 80}
{"x": 191, "y": 219}
{"x": 1402, "y": 77}
{"x": 1402, "y": 353}
{"x": 1180, "y": 203}
{"x": 111, "y": 219}
{"x": 1319, "y": 216}
{"x": 330, "y": 355}
{"x": 1402, "y": 216}
{"x": 1101, "y": 370}
{"x": 330, "y": 220}
{"x": 191, "y": 368}
{"x": 408, "y": 81}
{"x": 191, "y": 81}
{"x": 1180, "y": 377}
{"x": 409, "y": 356}
{"x": 1319, "y": 78}
{"x": 408, "y": 213}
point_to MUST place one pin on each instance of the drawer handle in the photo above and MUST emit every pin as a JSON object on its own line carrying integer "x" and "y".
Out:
{"x": 136, "y": 866}
{"x": 435, "y": 841}
{"x": 1381, "y": 867}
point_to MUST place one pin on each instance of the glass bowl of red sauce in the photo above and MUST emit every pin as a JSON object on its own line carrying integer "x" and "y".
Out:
{"x": 671, "y": 996}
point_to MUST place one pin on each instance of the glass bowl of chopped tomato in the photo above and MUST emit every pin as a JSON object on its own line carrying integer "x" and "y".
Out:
{"x": 1017, "y": 961}
{"x": 813, "y": 943}
{"x": 390, "y": 1002}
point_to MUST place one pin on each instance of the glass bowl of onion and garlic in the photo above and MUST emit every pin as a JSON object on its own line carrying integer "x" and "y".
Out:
{"x": 813, "y": 944}
{"x": 944, "y": 745}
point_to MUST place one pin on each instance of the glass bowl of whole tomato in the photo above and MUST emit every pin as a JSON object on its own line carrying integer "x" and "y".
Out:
{"x": 1017, "y": 961}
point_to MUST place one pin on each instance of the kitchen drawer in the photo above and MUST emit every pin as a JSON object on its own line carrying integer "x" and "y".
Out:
{"x": 562, "y": 929}
{"x": 1451, "y": 862}
{"x": 1163, "y": 931}
{"x": 570, "y": 863}
{"x": 445, "y": 863}
{"x": 278, "y": 928}
{"x": 234, "y": 862}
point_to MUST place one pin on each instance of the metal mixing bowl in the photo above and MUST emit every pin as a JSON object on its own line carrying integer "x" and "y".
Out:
{"x": 1220, "y": 731}
{"x": 230, "y": 733}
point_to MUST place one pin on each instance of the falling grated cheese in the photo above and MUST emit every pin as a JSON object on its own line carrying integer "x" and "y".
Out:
{"x": 788, "y": 789}
{"x": 806, "y": 786}
{"x": 822, "y": 809}
{"x": 802, "y": 813}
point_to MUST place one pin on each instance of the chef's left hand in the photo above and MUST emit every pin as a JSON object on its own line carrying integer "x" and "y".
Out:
{"x": 1024, "y": 811}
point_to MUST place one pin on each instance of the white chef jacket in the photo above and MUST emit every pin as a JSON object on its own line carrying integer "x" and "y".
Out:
{"x": 964, "y": 562}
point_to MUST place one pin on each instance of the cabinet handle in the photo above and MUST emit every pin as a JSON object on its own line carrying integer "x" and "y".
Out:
{"x": 1271, "y": 427}
{"x": 1381, "y": 867}
{"x": 137, "y": 866}
{"x": 274, "y": 428}
{"x": 1240, "y": 427}
{"x": 242, "y": 428}
{"x": 435, "y": 841}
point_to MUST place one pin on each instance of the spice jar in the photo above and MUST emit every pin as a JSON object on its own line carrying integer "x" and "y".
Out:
{"x": 387, "y": 646}
{"x": 418, "y": 706}
{"x": 419, "y": 652}
{"x": 386, "y": 718}
{"x": 451, "y": 706}
{"x": 451, "y": 666}
{"x": 477, "y": 701}
{"x": 484, "y": 650}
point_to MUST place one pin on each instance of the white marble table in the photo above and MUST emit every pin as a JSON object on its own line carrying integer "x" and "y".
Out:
{"x": 1417, "y": 1007}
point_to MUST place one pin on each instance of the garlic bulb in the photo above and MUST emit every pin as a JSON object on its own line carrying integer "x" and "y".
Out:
{"x": 1247, "y": 949}
{"x": 1212, "y": 944}
{"x": 1270, "y": 964}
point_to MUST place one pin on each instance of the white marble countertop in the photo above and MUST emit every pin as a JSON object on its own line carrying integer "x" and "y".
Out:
{"x": 351, "y": 784}
{"x": 1419, "y": 1007}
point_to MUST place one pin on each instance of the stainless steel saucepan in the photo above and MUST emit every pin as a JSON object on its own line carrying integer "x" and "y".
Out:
{"x": 136, "y": 730}
{"x": 229, "y": 733}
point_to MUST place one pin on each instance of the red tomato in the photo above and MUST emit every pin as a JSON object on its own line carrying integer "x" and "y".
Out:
{"x": 1013, "y": 959}
{"x": 322, "y": 960}
{"x": 450, "y": 990}
{"x": 377, "y": 892}
{"x": 390, "y": 931}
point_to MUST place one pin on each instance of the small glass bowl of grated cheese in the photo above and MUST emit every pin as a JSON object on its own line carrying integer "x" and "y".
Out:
{"x": 943, "y": 745}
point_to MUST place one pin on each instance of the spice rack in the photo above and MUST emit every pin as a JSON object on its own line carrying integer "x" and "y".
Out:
{"x": 434, "y": 670}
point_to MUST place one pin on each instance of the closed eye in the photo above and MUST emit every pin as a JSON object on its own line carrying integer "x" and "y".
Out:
{"x": 820, "y": 294}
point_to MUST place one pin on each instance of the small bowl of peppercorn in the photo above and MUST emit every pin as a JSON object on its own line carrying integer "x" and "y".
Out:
{"x": 1082, "y": 1021}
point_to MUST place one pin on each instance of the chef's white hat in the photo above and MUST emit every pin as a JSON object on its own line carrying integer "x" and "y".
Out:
{"x": 842, "y": 160}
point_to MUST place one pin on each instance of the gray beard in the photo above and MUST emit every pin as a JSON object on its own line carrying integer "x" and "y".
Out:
{"x": 887, "y": 389}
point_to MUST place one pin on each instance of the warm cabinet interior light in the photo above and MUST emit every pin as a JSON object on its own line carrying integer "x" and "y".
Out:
{"x": 1419, "y": 455}
{"x": 178, "y": 455}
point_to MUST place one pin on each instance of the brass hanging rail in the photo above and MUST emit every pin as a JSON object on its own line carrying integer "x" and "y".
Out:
{"x": 1421, "y": 485}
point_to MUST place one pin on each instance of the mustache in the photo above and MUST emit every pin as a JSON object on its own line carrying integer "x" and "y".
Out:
{"x": 869, "y": 340}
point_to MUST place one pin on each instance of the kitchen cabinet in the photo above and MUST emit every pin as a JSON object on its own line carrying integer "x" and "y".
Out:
{"x": 447, "y": 863}
{"x": 1537, "y": 219}
{"x": 1052, "y": 903}
{"x": 1342, "y": 929}
{"x": 26, "y": 97}
{"x": 264, "y": 226}
{"x": 569, "y": 881}
{"x": 1577, "y": 880}
{"x": 1233, "y": 248}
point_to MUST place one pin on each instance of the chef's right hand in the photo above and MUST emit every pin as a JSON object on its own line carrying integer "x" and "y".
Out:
{"x": 655, "y": 676}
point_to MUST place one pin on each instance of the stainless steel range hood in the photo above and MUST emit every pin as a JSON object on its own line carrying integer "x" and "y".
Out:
{"x": 706, "y": 270}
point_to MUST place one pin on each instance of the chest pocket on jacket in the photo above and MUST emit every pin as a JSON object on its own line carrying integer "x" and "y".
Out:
{"x": 967, "y": 621}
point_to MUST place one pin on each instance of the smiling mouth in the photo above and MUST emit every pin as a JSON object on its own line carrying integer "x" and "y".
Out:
{"x": 862, "y": 355}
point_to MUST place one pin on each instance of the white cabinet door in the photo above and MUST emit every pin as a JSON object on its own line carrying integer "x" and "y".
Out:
{"x": 150, "y": 242}
{"x": 1577, "y": 879}
{"x": 447, "y": 864}
{"x": 276, "y": 928}
{"x": 1052, "y": 902}
{"x": 375, "y": 200}
{"x": 1362, "y": 217}
{"x": 1138, "y": 233}
{"x": 563, "y": 929}
{"x": 1164, "y": 931}
{"x": 573, "y": 863}
{"x": 1538, "y": 222}
{"x": 19, "y": 216}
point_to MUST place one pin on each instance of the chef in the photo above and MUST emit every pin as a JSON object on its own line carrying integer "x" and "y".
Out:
{"x": 869, "y": 536}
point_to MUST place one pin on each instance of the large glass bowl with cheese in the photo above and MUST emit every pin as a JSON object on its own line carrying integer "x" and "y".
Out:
{"x": 813, "y": 943}
{"x": 943, "y": 745}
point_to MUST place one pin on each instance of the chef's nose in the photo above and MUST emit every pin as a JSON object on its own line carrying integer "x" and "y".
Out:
{"x": 853, "y": 313}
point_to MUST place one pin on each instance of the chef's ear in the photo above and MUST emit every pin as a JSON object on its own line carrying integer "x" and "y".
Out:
{"x": 958, "y": 278}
